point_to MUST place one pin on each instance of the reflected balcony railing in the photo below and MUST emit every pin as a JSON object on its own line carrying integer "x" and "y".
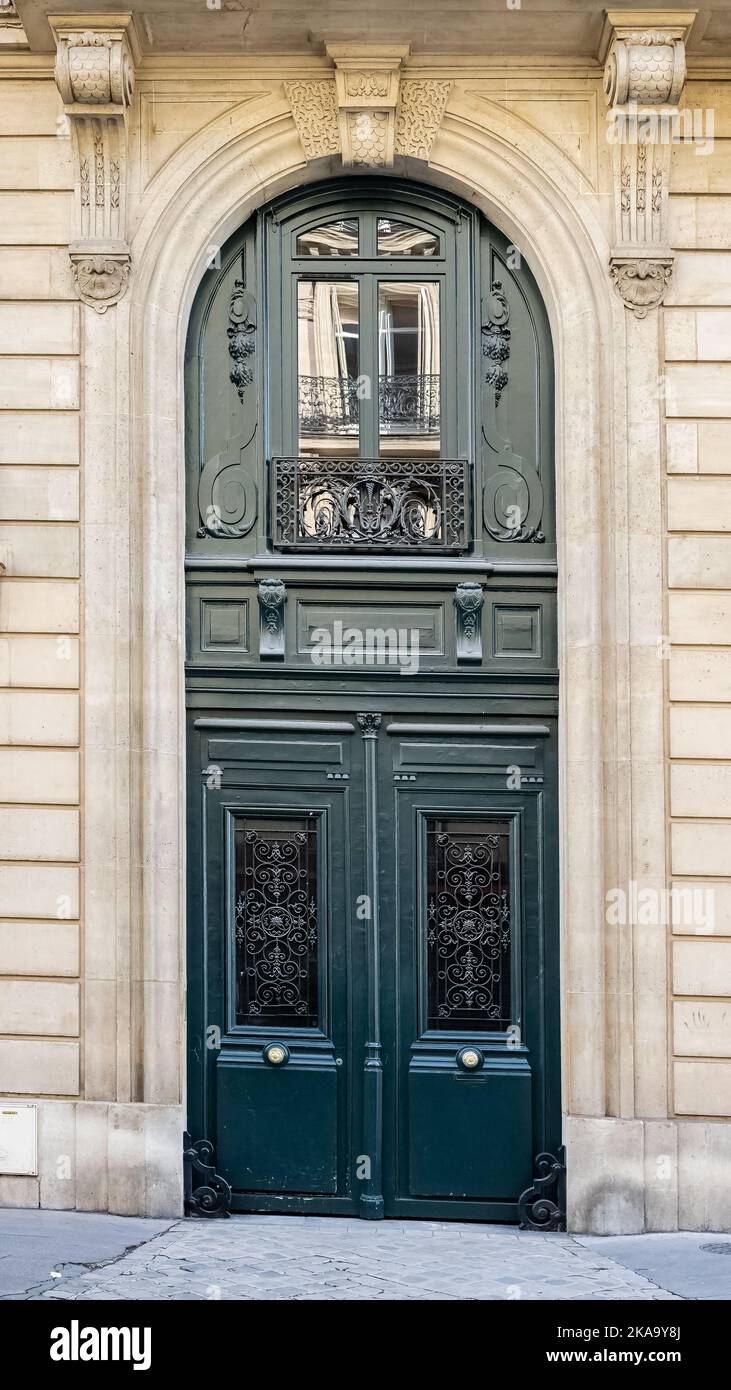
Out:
{"x": 357, "y": 504}
{"x": 330, "y": 405}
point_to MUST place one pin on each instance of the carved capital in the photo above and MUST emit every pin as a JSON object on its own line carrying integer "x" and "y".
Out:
{"x": 369, "y": 724}
{"x": 95, "y": 57}
{"x": 94, "y": 66}
{"x": 641, "y": 282}
{"x": 645, "y": 64}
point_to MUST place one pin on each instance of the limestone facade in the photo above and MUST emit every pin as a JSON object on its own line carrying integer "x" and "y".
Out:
{"x": 120, "y": 173}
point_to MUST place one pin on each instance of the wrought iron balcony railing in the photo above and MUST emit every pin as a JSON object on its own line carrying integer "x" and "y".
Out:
{"x": 331, "y": 404}
{"x": 370, "y": 504}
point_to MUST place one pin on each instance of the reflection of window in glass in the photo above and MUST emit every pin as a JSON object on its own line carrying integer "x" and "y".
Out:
{"x": 331, "y": 239}
{"x": 328, "y": 366}
{"x": 408, "y": 367}
{"x": 399, "y": 239}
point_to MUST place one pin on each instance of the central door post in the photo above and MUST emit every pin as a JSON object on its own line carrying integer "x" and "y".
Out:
{"x": 371, "y": 1197}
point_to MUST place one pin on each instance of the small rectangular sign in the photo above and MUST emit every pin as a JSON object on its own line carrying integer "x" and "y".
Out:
{"x": 18, "y": 1139}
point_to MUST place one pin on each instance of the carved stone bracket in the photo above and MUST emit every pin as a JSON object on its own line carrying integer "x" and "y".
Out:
{"x": 95, "y": 56}
{"x": 272, "y": 596}
{"x": 367, "y": 112}
{"x": 644, "y": 53}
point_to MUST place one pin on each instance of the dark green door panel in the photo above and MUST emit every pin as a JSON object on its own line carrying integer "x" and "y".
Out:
{"x": 270, "y": 954}
{"x": 482, "y": 1148}
{"x": 277, "y": 1126}
{"x": 464, "y": 945}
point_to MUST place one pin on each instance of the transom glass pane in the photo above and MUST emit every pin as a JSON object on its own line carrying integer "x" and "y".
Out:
{"x": 399, "y": 239}
{"x": 276, "y": 921}
{"x": 328, "y": 363}
{"x": 409, "y": 367}
{"x": 331, "y": 239}
{"x": 468, "y": 925}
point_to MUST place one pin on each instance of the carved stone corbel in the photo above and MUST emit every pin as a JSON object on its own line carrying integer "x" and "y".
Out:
{"x": 644, "y": 73}
{"x": 95, "y": 57}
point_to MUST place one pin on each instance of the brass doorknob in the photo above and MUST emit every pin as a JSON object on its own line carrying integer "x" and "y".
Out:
{"x": 276, "y": 1054}
{"x": 470, "y": 1058}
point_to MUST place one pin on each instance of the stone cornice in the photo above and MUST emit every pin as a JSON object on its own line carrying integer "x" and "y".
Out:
{"x": 95, "y": 59}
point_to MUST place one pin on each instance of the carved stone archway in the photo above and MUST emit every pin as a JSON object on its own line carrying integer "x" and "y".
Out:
{"x": 609, "y": 591}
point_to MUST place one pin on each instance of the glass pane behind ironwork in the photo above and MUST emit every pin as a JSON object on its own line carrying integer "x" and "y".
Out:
{"x": 468, "y": 925}
{"x": 328, "y": 357}
{"x": 409, "y": 367}
{"x": 276, "y": 922}
{"x": 331, "y": 239}
{"x": 399, "y": 239}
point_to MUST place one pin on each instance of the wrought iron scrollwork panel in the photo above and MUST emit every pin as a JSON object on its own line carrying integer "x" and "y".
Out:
{"x": 468, "y": 925}
{"x": 370, "y": 504}
{"x": 276, "y": 922}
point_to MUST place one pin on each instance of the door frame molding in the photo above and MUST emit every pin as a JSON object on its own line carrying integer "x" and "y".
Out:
{"x": 610, "y": 593}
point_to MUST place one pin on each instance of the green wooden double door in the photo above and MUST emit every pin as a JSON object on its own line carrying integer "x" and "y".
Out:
{"x": 373, "y": 972}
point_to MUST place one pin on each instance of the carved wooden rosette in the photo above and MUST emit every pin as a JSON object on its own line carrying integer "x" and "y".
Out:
{"x": 95, "y": 76}
{"x": 367, "y": 112}
{"x": 643, "y": 81}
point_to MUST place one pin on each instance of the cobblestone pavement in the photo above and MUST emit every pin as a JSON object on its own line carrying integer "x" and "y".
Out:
{"x": 303, "y": 1258}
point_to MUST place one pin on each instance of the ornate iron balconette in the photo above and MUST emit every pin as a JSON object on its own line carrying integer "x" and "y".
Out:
{"x": 331, "y": 404}
{"x": 370, "y": 504}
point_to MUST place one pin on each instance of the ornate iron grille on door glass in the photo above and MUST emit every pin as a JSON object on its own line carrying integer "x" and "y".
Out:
{"x": 370, "y": 504}
{"x": 276, "y": 922}
{"x": 468, "y": 927}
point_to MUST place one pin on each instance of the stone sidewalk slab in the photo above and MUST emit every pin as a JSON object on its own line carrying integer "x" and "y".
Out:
{"x": 257, "y": 1258}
